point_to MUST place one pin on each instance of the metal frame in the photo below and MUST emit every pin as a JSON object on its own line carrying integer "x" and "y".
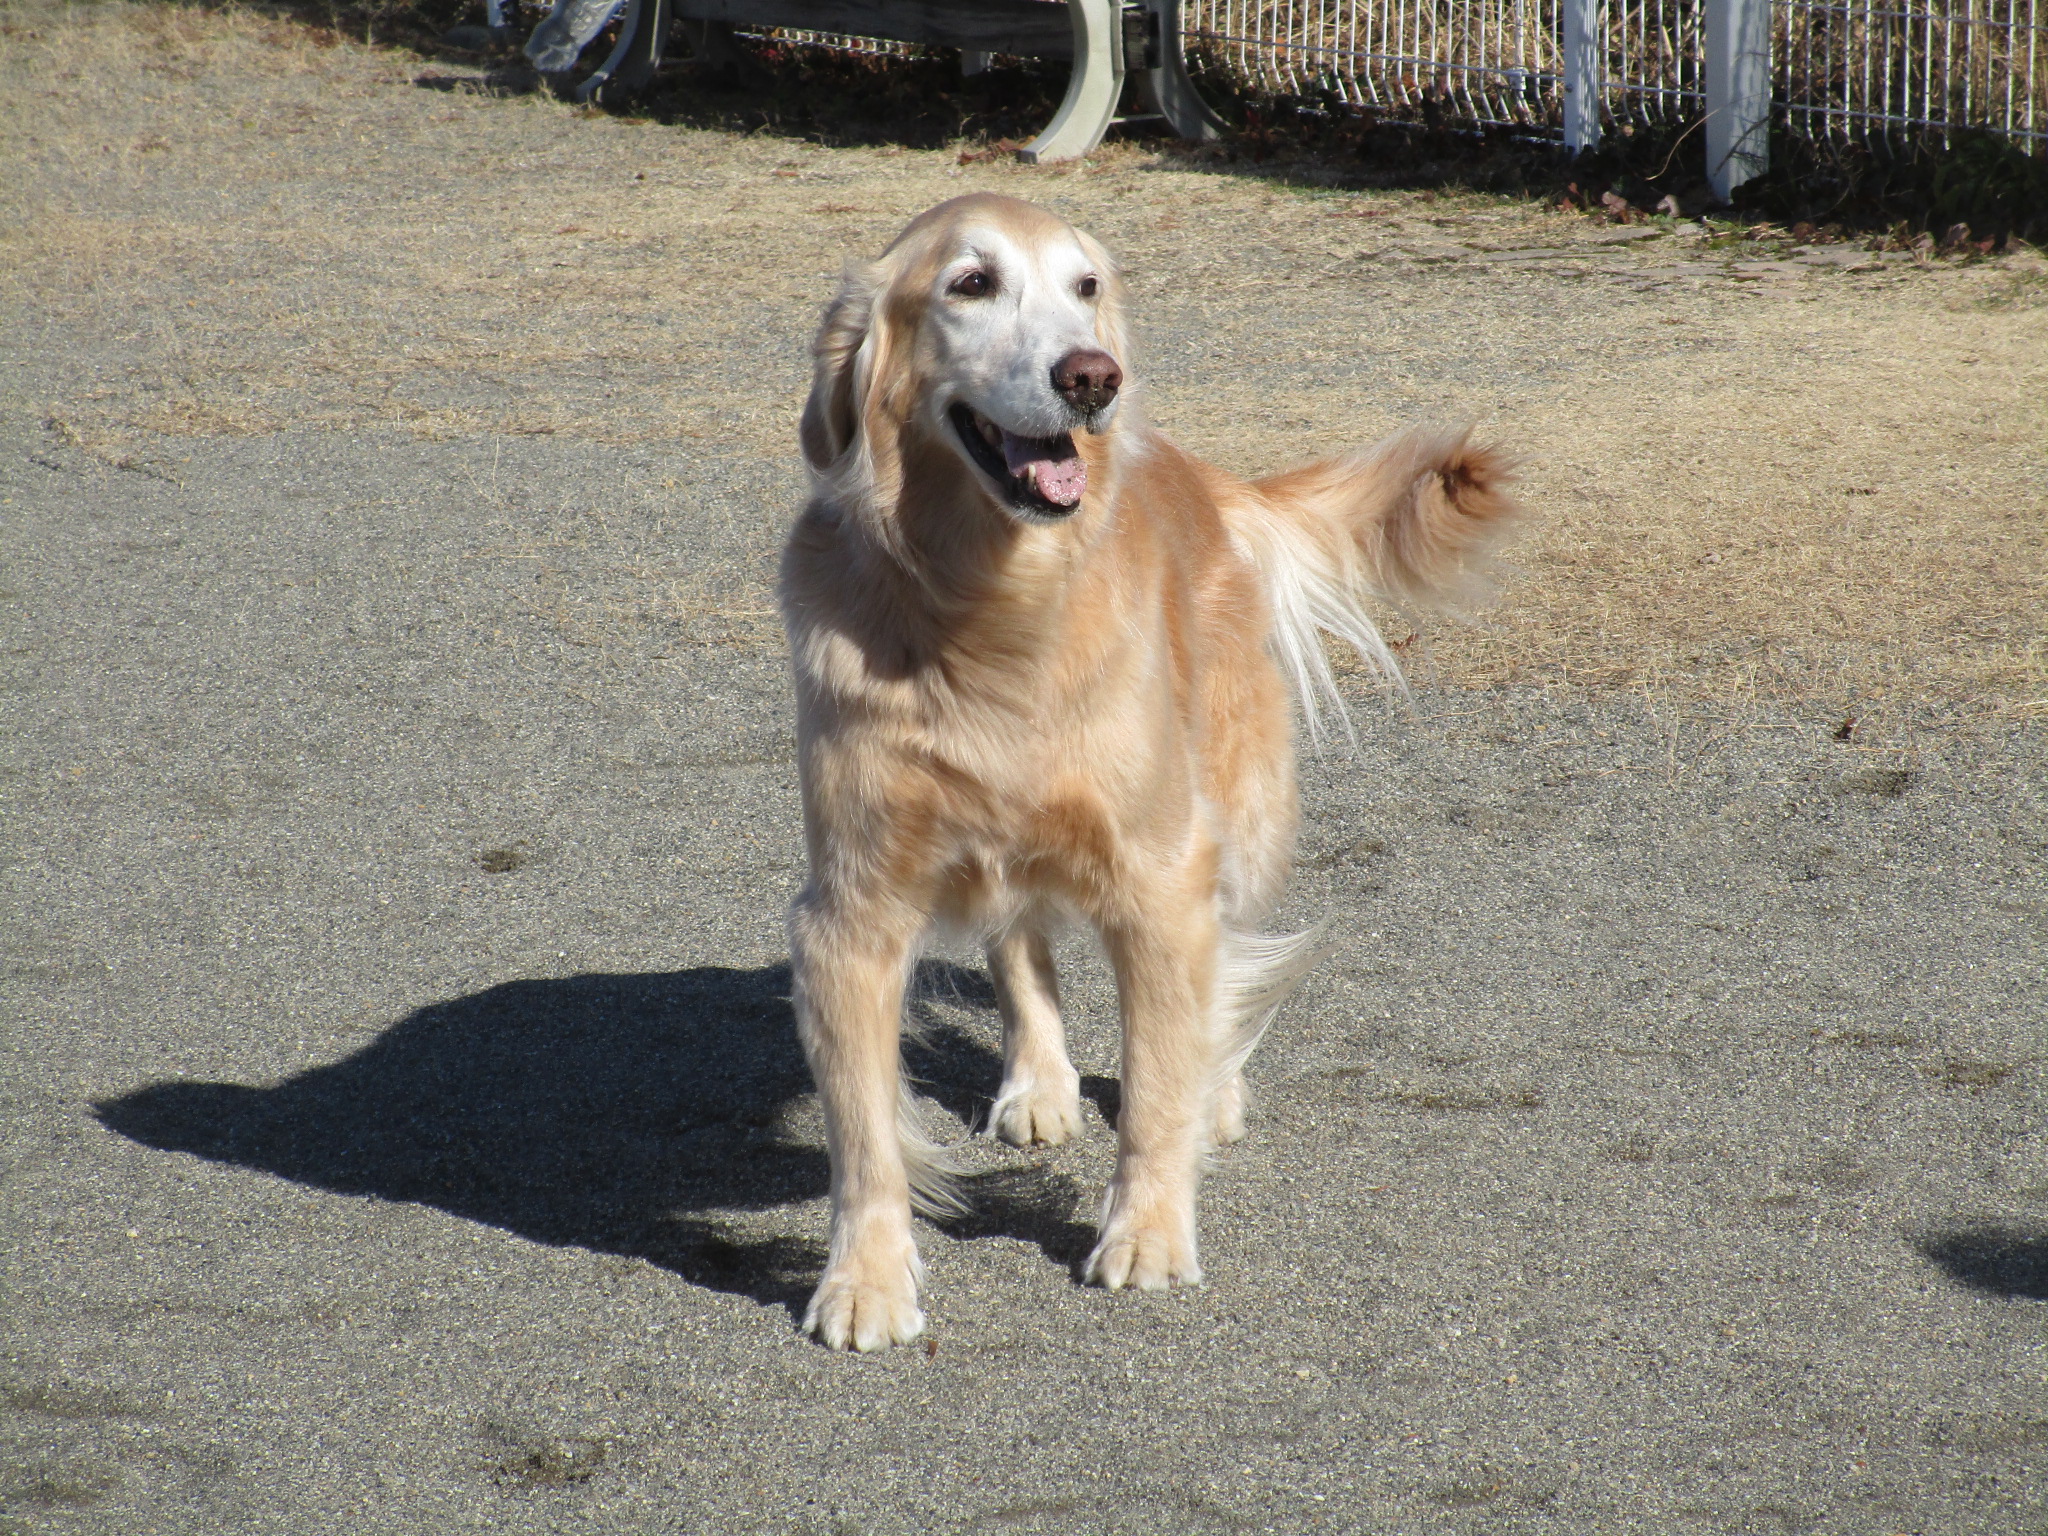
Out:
{"x": 1163, "y": 79}
{"x": 643, "y": 34}
{"x": 1091, "y": 33}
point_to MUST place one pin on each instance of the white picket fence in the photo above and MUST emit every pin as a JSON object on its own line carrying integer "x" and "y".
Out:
{"x": 1838, "y": 69}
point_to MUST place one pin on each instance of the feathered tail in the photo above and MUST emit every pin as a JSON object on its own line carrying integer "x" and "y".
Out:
{"x": 1411, "y": 520}
{"x": 1255, "y": 976}
{"x": 933, "y": 1170}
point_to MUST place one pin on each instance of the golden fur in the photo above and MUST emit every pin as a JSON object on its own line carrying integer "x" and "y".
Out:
{"x": 1009, "y": 718}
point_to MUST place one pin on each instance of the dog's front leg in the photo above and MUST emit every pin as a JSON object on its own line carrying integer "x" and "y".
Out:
{"x": 1166, "y": 984}
{"x": 849, "y": 970}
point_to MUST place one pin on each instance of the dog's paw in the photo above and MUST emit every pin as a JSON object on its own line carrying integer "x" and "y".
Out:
{"x": 1147, "y": 1251}
{"x": 1229, "y": 1116}
{"x": 866, "y": 1307}
{"x": 1037, "y": 1113}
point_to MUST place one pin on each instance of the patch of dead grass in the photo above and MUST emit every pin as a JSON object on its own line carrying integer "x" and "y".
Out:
{"x": 212, "y": 223}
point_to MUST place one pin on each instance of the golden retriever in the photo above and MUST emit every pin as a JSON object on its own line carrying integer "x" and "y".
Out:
{"x": 1044, "y": 670}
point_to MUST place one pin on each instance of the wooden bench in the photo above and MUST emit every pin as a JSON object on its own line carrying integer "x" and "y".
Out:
{"x": 1105, "y": 40}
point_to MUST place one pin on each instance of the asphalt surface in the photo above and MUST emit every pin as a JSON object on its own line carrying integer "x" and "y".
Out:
{"x": 405, "y": 1129}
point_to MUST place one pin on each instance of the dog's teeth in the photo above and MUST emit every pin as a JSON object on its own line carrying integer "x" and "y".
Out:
{"x": 990, "y": 432}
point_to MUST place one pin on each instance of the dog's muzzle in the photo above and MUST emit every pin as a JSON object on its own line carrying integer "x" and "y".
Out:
{"x": 1039, "y": 476}
{"x": 1044, "y": 476}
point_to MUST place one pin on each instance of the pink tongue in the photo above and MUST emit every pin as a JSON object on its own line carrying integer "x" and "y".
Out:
{"x": 1059, "y": 481}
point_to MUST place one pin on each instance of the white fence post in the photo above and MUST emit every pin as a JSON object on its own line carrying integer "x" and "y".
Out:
{"x": 1738, "y": 92}
{"x": 1585, "y": 78}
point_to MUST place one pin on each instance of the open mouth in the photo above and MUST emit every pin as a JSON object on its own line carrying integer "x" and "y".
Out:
{"x": 1040, "y": 475}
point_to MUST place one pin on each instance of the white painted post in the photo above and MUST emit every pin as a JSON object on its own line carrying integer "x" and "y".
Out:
{"x": 1585, "y": 75}
{"x": 1738, "y": 92}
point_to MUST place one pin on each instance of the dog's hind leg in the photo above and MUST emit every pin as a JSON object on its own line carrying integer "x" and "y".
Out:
{"x": 849, "y": 971}
{"x": 1228, "y": 1118}
{"x": 1040, "y": 1100}
{"x": 1255, "y": 974}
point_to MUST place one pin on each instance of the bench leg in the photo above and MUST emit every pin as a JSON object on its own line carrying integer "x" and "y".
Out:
{"x": 1167, "y": 82}
{"x": 1093, "y": 88}
{"x": 712, "y": 45}
{"x": 643, "y": 33}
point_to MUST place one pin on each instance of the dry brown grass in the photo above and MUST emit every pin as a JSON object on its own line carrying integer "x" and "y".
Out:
{"x": 1828, "y": 484}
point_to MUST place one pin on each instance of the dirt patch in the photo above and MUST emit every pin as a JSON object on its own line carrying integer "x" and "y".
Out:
{"x": 1757, "y": 469}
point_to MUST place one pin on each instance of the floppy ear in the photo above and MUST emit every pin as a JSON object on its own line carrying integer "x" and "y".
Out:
{"x": 842, "y": 363}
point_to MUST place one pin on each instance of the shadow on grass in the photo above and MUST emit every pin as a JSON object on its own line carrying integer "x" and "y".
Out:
{"x": 626, "y": 1114}
{"x": 1989, "y": 187}
{"x": 921, "y": 100}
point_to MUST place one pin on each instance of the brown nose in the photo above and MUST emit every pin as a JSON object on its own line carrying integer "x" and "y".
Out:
{"x": 1087, "y": 379}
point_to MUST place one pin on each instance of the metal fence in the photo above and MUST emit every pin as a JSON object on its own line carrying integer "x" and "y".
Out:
{"x": 1838, "y": 68}
{"x": 1484, "y": 61}
{"x": 1849, "y": 69}
{"x": 1654, "y": 54}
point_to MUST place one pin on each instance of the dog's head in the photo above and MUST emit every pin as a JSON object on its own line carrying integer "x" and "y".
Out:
{"x": 988, "y": 340}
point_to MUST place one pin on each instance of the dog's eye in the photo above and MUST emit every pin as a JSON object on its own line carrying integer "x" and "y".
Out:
{"x": 1088, "y": 287}
{"x": 971, "y": 285}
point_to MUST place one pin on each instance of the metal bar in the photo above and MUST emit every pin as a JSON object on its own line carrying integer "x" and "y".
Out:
{"x": 1031, "y": 28}
{"x": 2012, "y": 76}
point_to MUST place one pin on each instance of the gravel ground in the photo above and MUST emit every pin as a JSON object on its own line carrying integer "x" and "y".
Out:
{"x": 404, "y": 1127}
{"x": 406, "y": 1130}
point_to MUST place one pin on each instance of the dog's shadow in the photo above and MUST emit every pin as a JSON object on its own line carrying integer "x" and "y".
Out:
{"x": 627, "y": 1114}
